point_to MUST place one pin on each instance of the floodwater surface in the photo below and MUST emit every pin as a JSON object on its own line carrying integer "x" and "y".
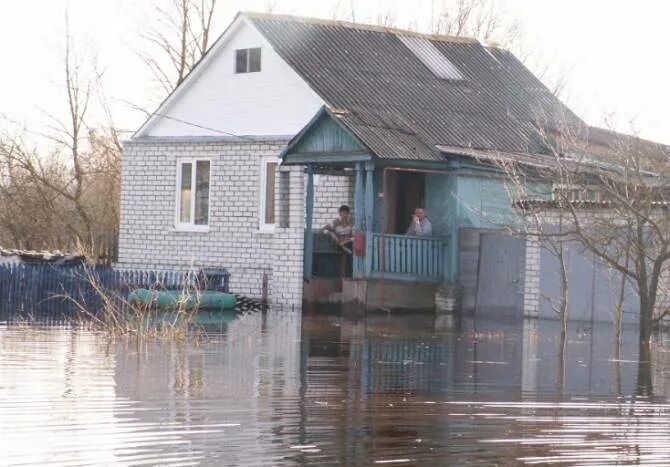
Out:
{"x": 285, "y": 389}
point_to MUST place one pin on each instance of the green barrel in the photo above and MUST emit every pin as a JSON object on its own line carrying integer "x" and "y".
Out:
{"x": 174, "y": 299}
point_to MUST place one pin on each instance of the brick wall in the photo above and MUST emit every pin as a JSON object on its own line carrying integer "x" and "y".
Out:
{"x": 149, "y": 239}
{"x": 531, "y": 286}
{"x": 331, "y": 192}
{"x": 288, "y": 241}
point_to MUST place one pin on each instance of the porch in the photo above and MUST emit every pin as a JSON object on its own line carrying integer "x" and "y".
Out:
{"x": 391, "y": 257}
{"x": 385, "y": 193}
{"x": 379, "y": 252}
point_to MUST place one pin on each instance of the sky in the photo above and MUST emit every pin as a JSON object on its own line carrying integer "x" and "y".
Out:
{"x": 613, "y": 52}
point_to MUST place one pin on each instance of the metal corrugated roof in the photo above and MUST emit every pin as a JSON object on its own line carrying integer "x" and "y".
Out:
{"x": 402, "y": 110}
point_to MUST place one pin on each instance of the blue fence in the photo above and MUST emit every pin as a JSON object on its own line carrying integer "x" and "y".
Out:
{"x": 43, "y": 293}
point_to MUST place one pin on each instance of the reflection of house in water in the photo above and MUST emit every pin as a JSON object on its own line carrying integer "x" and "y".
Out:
{"x": 228, "y": 365}
{"x": 375, "y": 386}
{"x": 404, "y": 361}
{"x": 357, "y": 389}
{"x": 240, "y": 378}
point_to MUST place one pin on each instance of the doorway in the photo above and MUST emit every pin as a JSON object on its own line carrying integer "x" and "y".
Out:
{"x": 407, "y": 191}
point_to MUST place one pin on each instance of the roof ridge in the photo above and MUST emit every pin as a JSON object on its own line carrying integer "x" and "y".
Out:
{"x": 359, "y": 26}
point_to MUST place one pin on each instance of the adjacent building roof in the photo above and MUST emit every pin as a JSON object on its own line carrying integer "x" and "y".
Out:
{"x": 54, "y": 258}
{"x": 404, "y": 94}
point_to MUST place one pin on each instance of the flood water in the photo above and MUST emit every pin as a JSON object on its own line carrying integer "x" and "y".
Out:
{"x": 286, "y": 389}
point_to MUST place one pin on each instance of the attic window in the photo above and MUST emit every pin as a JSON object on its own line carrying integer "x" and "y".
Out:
{"x": 248, "y": 60}
{"x": 430, "y": 56}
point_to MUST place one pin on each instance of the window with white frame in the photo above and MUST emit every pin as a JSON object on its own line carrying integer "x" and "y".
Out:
{"x": 248, "y": 60}
{"x": 193, "y": 193}
{"x": 268, "y": 181}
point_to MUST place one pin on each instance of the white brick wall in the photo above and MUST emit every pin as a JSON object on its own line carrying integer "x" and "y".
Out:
{"x": 531, "y": 295}
{"x": 288, "y": 243}
{"x": 149, "y": 240}
{"x": 330, "y": 193}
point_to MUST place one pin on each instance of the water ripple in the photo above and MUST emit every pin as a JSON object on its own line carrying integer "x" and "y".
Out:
{"x": 277, "y": 390}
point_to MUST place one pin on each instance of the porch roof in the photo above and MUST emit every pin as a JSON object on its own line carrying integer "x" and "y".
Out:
{"x": 328, "y": 140}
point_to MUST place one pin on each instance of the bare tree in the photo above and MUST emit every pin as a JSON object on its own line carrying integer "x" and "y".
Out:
{"x": 611, "y": 190}
{"x": 526, "y": 182}
{"x": 181, "y": 37}
{"x": 481, "y": 19}
{"x": 271, "y": 6}
{"x": 386, "y": 19}
{"x": 608, "y": 192}
{"x": 67, "y": 197}
{"x": 344, "y": 10}
{"x": 630, "y": 232}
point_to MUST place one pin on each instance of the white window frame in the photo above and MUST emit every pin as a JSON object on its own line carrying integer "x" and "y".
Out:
{"x": 262, "y": 195}
{"x": 191, "y": 226}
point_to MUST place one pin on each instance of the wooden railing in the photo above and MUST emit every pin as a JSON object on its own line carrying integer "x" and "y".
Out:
{"x": 409, "y": 258}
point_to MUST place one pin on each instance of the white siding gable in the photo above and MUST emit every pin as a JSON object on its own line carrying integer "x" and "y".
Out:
{"x": 216, "y": 101}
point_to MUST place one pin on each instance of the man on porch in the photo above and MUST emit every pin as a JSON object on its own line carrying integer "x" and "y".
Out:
{"x": 420, "y": 225}
{"x": 341, "y": 229}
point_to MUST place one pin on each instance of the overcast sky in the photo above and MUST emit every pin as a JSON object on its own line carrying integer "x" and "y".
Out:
{"x": 614, "y": 51}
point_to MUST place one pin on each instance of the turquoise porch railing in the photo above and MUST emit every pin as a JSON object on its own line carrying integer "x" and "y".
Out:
{"x": 409, "y": 258}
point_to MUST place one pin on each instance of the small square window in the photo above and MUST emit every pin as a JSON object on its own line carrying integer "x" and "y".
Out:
{"x": 248, "y": 60}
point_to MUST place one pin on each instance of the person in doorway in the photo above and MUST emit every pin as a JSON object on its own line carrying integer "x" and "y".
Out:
{"x": 342, "y": 229}
{"x": 420, "y": 225}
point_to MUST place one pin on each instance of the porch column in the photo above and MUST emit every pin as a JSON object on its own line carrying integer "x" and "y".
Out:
{"x": 309, "y": 238}
{"x": 358, "y": 266}
{"x": 358, "y": 199}
{"x": 369, "y": 215}
{"x": 454, "y": 249}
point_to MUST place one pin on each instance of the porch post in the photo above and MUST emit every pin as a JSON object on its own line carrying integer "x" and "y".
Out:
{"x": 309, "y": 238}
{"x": 369, "y": 215}
{"x": 358, "y": 216}
{"x": 453, "y": 254}
{"x": 358, "y": 199}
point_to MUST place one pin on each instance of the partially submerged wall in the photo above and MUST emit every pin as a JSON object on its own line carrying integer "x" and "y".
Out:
{"x": 150, "y": 240}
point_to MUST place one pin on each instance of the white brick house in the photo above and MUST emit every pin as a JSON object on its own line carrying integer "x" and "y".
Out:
{"x": 358, "y": 106}
{"x": 231, "y": 125}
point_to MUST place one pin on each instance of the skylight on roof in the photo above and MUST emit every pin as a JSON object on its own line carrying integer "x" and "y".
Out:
{"x": 436, "y": 62}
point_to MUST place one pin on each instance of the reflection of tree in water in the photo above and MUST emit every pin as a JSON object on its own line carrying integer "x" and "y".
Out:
{"x": 644, "y": 385}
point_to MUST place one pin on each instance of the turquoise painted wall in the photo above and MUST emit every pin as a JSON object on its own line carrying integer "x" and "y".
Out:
{"x": 441, "y": 206}
{"x": 454, "y": 201}
{"x": 467, "y": 201}
{"x": 484, "y": 203}
{"x": 326, "y": 136}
